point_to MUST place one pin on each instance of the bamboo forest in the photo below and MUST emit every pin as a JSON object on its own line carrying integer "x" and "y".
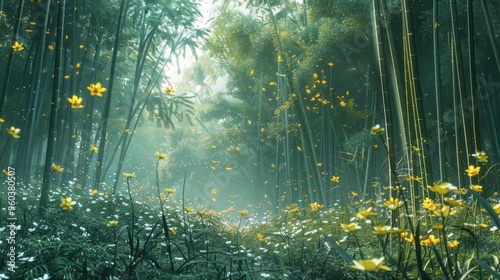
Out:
{"x": 250, "y": 139}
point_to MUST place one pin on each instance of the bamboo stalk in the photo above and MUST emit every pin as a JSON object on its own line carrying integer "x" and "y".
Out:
{"x": 491, "y": 34}
{"x": 8, "y": 71}
{"x": 107, "y": 104}
{"x": 468, "y": 141}
{"x": 472, "y": 76}
{"x": 56, "y": 93}
{"x": 301, "y": 114}
{"x": 416, "y": 87}
{"x": 437, "y": 88}
{"x": 386, "y": 99}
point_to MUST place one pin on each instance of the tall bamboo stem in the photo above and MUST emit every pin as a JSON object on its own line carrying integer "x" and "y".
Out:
{"x": 107, "y": 104}
{"x": 51, "y": 140}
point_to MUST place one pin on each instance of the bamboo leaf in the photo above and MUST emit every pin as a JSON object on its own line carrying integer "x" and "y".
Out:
{"x": 339, "y": 250}
{"x": 488, "y": 269}
{"x": 441, "y": 263}
{"x": 486, "y": 205}
{"x": 198, "y": 233}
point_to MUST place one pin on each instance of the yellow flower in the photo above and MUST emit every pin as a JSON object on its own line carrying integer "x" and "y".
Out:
{"x": 444, "y": 212}
{"x": 67, "y": 203}
{"x": 243, "y": 212}
{"x": 188, "y": 209}
{"x": 413, "y": 178}
{"x": 315, "y": 206}
{"x": 330, "y": 64}
{"x": 174, "y": 230}
{"x": 472, "y": 171}
{"x": 342, "y": 103}
{"x": 213, "y": 192}
{"x": 112, "y": 223}
{"x": 365, "y": 213}
{"x": 431, "y": 241}
{"x": 481, "y": 156}
{"x": 17, "y": 47}
{"x": 496, "y": 208}
{"x": 376, "y": 130}
{"x": 251, "y": 72}
{"x": 129, "y": 175}
{"x": 57, "y": 168}
{"x": 170, "y": 191}
{"x": 2, "y": 120}
{"x": 383, "y": 230}
{"x": 229, "y": 168}
{"x": 94, "y": 192}
{"x": 350, "y": 227}
{"x": 293, "y": 210}
{"x": 335, "y": 179}
{"x": 463, "y": 190}
{"x": 442, "y": 188}
{"x": 169, "y": 90}
{"x": 392, "y": 203}
{"x": 201, "y": 213}
{"x": 261, "y": 237}
{"x": 411, "y": 239}
{"x": 372, "y": 265}
{"x": 452, "y": 244}
{"x": 96, "y": 89}
{"x": 477, "y": 188}
{"x": 14, "y": 132}
{"x": 160, "y": 155}
{"x": 94, "y": 149}
{"x": 429, "y": 204}
{"x": 76, "y": 102}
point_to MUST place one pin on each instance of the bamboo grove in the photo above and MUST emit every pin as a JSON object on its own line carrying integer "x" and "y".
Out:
{"x": 307, "y": 82}
{"x": 68, "y": 88}
{"x": 303, "y": 139}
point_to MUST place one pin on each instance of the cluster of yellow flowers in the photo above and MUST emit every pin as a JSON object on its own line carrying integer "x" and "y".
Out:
{"x": 315, "y": 206}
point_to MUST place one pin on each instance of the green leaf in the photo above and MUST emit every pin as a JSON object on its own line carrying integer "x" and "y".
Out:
{"x": 488, "y": 269}
{"x": 486, "y": 205}
{"x": 339, "y": 250}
